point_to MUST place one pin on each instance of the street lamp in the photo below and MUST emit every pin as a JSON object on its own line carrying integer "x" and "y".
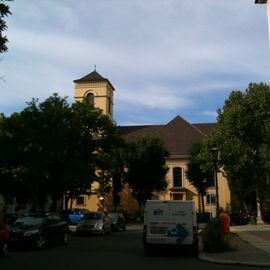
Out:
{"x": 215, "y": 158}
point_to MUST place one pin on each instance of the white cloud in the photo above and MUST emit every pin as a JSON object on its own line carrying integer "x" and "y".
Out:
{"x": 159, "y": 55}
{"x": 210, "y": 113}
{"x": 154, "y": 97}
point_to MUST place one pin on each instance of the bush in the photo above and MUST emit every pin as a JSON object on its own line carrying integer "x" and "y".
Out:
{"x": 214, "y": 239}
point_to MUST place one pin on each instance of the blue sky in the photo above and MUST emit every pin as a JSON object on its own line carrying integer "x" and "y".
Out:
{"x": 164, "y": 57}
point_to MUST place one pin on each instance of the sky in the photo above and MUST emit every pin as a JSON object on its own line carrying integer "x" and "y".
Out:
{"x": 163, "y": 57}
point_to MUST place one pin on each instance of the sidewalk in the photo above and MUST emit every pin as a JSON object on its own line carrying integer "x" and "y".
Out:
{"x": 249, "y": 249}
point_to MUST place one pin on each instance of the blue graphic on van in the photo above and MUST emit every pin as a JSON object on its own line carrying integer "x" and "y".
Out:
{"x": 181, "y": 232}
{"x": 158, "y": 212}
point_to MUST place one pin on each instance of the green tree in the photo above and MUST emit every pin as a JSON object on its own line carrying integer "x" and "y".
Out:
{"x": 4, "y": 11}
{"x": 198, "y": 176}
{"x": 53, "y": 149}
{"x": 243, "y": 137}
{"x": 11, "y": 184}
{"x": 118, "y": 174}
{"x": 146, "y": 168}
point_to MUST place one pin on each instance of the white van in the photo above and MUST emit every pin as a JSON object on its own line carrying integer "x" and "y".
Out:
{"x": 170, "y": 222}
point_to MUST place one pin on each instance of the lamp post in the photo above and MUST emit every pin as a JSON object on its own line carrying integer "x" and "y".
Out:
{"x": 215, "y": 157}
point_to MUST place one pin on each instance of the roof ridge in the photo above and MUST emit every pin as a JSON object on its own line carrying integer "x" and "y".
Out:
{"x": 183, "y": 119}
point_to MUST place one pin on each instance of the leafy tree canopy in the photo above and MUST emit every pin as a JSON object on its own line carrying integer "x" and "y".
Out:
{"x": 146, "y": 167}
{"x": 199, "y": 176}
{"x": 4, "y": 11}
{"x": 243, "y": 137}
{"x": 52, "y": 148}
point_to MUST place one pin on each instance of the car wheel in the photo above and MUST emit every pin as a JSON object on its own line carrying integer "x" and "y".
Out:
{"x": 102, "y": 231}
{"x": 65, "y": 238}
{"x": 4, "y": 250}
{"x": 195, "y": 249}
{"x": 147, "y": 249}
{"x": 40, "y": 243}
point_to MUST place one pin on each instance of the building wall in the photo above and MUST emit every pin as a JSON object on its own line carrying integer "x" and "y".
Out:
{"x": 103, "y": 94}
{"x": 129, "y": 205}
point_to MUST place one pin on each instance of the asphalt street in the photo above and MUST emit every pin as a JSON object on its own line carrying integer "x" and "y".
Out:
{"x": 119, "y": 250}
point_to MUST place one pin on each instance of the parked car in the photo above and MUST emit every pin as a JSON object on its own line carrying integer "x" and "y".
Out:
{"x": 75, "y": 215}
{"x": 117, "y": 221}
{"x": 239, "y": 219}
{"x": 10, "y": 217}
{"x": 38, "y": 230}
{"x": 4, "y": 237}
{"x": 203, "y": 217}
{"x": 94, "y": 223}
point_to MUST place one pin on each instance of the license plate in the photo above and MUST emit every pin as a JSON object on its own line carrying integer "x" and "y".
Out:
{"x": 158, "y": 232}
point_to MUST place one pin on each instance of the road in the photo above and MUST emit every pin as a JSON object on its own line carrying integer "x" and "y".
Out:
{"x": 119, "y": 250}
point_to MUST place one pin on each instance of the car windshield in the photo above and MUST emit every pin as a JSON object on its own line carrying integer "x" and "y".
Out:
{"x": 29, "y": 221}
{"x": 78, "y": 211}
{"x": 95, "y": 216}
{"x": 113, "y": 216}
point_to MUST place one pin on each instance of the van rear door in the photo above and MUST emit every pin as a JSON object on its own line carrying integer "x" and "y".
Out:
{"x": 182, "y": 221}
{"x": 169, "y": 222}
{"x": 157, "y": 221}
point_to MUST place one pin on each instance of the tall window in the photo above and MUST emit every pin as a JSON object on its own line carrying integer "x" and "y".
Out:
{"x": 211, "y": 180}
{"x": 211, "y": 199}
{"x": 90, "y": 98}
{"x": 80, "y": 200}
{"x": 177, "y": 177}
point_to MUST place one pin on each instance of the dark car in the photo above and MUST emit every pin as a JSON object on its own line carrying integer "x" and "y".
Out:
{"x": 4, "y": 236}
{"x": 10, "y": 217}
{"x": 239, "y": 219}
{"x": 38, "y": 230}
{"x": 117, "y": 221}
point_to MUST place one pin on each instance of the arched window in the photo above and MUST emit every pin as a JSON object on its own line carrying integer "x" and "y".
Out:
{"x": 90, "y": 98}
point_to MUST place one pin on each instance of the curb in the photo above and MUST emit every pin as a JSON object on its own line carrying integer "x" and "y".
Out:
{"x": 202, "y": 256}
{"x": 208, "y": 258}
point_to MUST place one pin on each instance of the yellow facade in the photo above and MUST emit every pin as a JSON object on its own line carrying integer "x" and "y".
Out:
{"x": 103, "y": 95}
{"x": 103, "y": 99}
{"x": 188, "y": 192}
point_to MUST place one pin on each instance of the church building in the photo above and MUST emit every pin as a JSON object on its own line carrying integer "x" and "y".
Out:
{"x": 178, "y": 134}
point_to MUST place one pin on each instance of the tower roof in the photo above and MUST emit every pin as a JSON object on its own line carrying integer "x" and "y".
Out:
{"x": 93, "y": 77}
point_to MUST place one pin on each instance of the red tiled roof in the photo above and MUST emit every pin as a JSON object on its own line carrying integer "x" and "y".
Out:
{"x": 177, "y": 135}
{"x": 206, "y": 128}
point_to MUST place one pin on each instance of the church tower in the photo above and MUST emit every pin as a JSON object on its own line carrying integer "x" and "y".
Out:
{"x": 97, "y": 90}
